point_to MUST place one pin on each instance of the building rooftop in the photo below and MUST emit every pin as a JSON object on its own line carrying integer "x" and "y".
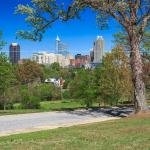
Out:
{"x": 99, "y": 37}
{"x": 14, "y": 44}
{"x": 57, "y": 39}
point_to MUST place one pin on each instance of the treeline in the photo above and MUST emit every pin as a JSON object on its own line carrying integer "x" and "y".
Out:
{"x": 24, "y": 84}
{"x": 108, "y": 84}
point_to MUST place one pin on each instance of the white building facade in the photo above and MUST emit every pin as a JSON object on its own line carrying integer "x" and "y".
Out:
{"x": 49, "y": 58}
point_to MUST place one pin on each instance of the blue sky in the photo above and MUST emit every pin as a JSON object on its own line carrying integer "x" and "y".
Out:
{"x": 79, "y": 35}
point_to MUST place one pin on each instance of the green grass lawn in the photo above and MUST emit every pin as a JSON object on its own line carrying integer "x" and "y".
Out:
{"x": 123, "y": 134}
{"x": 46, "y": 106}
{"x": 49, "y": 106}
{"x": 62, "y": 105}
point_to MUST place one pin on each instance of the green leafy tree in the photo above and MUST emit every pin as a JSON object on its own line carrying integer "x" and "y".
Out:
{"x": 55, "y": 66}
{"x": 121, "y": 38}
{"x": 7, "y": 78}
{"x": 68, "y": 75}
{"x": 146, "y": 67}
{"x": 29, "y": 72}
{"x": 52, "y": 71}
{"x": 55, "y": 71}
{"x": 83, "y": 87}
{"x": 46, "y": 92}
{"x": 28, "y": 100}
{"x": 133, "y": 16}
{"x": 115, "y": 84}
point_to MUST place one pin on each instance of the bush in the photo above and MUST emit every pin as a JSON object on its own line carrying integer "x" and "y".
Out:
{"x": 17, "y": 106}
{"x": 66, "y": 94}
{"x": 12, "y": 96}
{"x": 56, "y": 93}
{"x": 29, "y": 101}
{"x": 32, "y": 102}
{"x": 43, "y": 91}
{"x": 47, "y": 92}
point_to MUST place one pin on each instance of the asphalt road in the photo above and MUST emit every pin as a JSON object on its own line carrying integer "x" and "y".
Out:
{"x": 23, "y": 123}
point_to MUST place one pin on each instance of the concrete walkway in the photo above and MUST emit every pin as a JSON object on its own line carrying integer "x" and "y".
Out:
{"x": 23, "y": 123}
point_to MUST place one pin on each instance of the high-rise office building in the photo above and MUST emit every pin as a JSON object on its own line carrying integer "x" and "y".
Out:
{"x": 98, "y": 49}
{"x": 61, "y": 48}
{"x": 58, "y": 43}
{"x": 14, "y": 53}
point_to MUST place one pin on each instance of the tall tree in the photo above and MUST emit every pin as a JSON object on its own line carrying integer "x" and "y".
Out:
{"x": 114, "y": 80}
{"x": 82, "y": 86}
{"x": 29, "y": 72}
{"x": 132, "y": 15}
{"x": 146, "y": 61}
{"x": 121, "y": 38}
{"x": 7, "y": 78}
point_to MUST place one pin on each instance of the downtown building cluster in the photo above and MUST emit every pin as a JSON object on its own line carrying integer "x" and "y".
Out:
{"x": 62, "y": 56}
{"x": 94, "y": 59}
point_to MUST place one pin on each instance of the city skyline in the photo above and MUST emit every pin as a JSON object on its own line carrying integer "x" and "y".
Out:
{"x": 78, "y": 36}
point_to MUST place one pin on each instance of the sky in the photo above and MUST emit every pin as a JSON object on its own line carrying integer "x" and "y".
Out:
{"x": 77, "y": 34}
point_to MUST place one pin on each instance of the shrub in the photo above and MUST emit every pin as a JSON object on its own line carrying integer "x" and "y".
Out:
{"x": 66, "y": 94}
{"x": 32, "y": 102}
{"x": 47, "y": 92}
{"x": 29, "y": 101}
{"x": 56, "y": 93}
{"x": 43, "y": 91}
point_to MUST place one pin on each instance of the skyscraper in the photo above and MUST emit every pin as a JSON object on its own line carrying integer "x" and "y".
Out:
{"x": 14, "y": 53}
{"x": 58, "y": 42}
{"x": 98, "y": 49}
{"x": 61, "y": 48}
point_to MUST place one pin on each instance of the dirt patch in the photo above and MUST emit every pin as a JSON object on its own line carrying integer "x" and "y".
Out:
{"x": 144, "y": 114}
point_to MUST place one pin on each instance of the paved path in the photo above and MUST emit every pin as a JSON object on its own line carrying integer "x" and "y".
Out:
{"x": 13, "y": 124}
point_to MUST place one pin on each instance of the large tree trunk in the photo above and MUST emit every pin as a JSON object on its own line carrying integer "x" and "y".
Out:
{"x": 137, "y": 74}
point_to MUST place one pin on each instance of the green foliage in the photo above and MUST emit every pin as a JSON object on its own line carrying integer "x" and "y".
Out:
{"x": 55, "y": 66}
{"x": 7, "y": 78}
{"x": 40, "y": 15}
{"x": 55, "y": 71}
{"x": 40, "y": 92}
{"x": 121, "y": 38}
{"x": 12, "y": 95}
{"x": 46, "y": 92}
{"x": 133, "y": 16}
{"x": 146, "y": 68}
{"x": 68, "y": 75}
{"x": 66, "y": 94}
{"x": 28, "y": 100}
{"x": 115, "y": 84}
{"x": 29, "y": 72}
{"x": 52, "y": 71}
{"x": 146, "y": 39}
{"x": 83, "y": 87}
{"x": 43, "y": 91}
{"x": 70, "y": 104}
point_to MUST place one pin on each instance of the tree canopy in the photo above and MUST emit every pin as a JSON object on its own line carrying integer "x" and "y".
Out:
{"x": 29, "y": 72}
